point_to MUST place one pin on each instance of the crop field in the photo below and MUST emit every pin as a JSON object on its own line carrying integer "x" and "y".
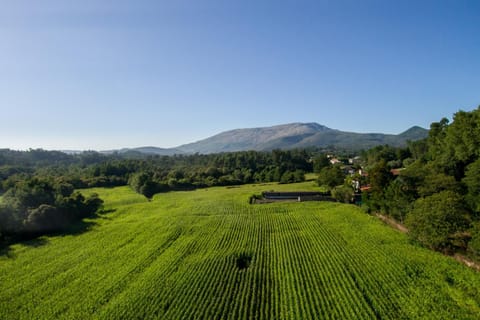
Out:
{"x": 208, "y": 254}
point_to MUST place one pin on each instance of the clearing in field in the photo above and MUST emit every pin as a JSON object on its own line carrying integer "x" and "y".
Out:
{"x": 208, "y": 254}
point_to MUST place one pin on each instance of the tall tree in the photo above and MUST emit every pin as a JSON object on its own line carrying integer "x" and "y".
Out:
{"x": 435, "y": 219}
{"x": 331, "y": 176}
{"x": 379, "y": 178}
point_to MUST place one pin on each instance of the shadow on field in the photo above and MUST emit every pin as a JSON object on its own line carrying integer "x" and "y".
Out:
{"x": 6, "y": 251}
{"x": 35, "y": 240}
{"x": 107, "y": 211}
{"x": 35, "y": 243}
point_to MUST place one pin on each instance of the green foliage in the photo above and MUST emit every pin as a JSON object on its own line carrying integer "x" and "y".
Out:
{"x": 474, "y": 244}
{"x": 436, "y": 138}
{"x": 320, "y": 162}
{"x": 436, "y": 182}
{"x": 418, "y": 149}
{"x": 472, "y": 182}
{"x": 37, "y": 206}
{"x": 399, "y": 199}
{"x": 45, "y": 219}
{"x": 183, "y": 255}
{"x": 386, "y": 153}
{"x": 142, "y": 183}
{"x": 343, "y": 194}
{"x": 292, "y": 177}
{"x": 446, "y": 164}
{"x": 435, "y": 219}
{"x": 379, "y": 178}
{"x": 166, "y": 173}
{"x": 10, "y": 220}
{"x": 331, "y": 176}
{"x": 463, "y": 135}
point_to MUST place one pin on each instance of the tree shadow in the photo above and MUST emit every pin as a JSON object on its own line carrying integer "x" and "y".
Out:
{"x": 102, "y": 212}
{"x": 75, "y": 229}
{"x": 6, "y": 251}
{"x": 35, "y": 242}
{"x": 38, "y": 239}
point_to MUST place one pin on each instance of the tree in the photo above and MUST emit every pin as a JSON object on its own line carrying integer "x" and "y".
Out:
{"x": 142, "y": 183}
{"x": 463, "y": 135}
{"x": 436, "y": 138}
{"x": 287, "y": 177}
{"x": 379, "y": 153}
{"x": 343, "y": 194}
{"x": 92, "y": 204}
{"x": 435, "y": 219}
{"x": 320, "y": 162}
{"x": 31, "y": 193}
{"x": 299, "y": 175}
{"x": 64, "y": 188}
{"x": 398, "y": 199}
{"x": 10, "y": 220}
{"x": 331, "y": 176}
{"x": 379, "y": 178}
{"x": 45, "y": 218}
{"x": 474, "y": 244}
{"x": 437, "y": 182}
{"x": 472, "y": 182}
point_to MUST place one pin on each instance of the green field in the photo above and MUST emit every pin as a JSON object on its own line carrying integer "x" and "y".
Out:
{"x": 208, "y": 254}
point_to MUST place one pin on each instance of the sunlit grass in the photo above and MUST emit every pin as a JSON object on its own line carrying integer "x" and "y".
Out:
{"x": 208, "y": 254}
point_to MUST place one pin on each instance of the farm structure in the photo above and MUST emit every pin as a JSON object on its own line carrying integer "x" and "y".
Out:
{"x": 302, "y": 196}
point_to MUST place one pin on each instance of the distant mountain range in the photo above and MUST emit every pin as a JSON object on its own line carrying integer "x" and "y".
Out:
{"x": 287, "y": 136}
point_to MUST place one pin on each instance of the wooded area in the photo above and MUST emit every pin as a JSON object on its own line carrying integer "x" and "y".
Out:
{"x": 38, "y": 186}
{"x": 432, "y": 185}
{"x": 436, "y": 192}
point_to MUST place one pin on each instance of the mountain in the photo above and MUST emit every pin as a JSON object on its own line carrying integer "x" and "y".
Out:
{"x": 252, "y": 139}
{"x": 286, "y": 136}
{"x": 145, "y": 150}
{"x": 297, "y": 135}
{"x": 157, "y": 151}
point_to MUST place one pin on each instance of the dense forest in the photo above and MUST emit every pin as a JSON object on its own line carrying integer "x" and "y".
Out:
{"x": 435, "y": 189}
{"x": 38, "y": 186}
{"x": 431, "y": 186}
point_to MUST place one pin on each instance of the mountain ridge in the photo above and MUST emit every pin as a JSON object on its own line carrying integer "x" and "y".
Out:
{"x": 297, "y": 135}
{"x": 284, "y": 136}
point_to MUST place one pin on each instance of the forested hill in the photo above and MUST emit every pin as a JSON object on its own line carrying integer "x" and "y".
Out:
{"x": 298, "y": 135}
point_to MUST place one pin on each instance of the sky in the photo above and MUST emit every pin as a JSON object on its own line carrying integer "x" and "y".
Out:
{"x": 106, "y": 74}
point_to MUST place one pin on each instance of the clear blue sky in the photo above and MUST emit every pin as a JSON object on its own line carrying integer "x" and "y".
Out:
{"x": 96, "y": 74}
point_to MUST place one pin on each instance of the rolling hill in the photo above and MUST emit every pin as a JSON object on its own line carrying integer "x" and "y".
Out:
{"x": 297, "y": 135}
{"x": 285, "y": 136}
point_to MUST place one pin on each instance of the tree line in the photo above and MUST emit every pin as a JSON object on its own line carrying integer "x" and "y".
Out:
{"x": 36, "y": 206}
{"x": 435, "y": 190}
{"x": 431, "y": 185}
{"x": 38, "y": 186}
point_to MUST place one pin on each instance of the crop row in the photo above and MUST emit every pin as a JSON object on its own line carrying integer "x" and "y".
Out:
{"x": 206, "y": 256}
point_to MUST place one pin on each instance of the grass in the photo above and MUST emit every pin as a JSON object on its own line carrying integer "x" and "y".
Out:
{"x": 208, "y": 254}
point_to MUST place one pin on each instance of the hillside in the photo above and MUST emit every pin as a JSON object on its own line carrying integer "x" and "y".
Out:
{"x": 286, "y": 136}
{"x": 145, "y": 150}
{"x": 297, "y": 135}
{"x": 207, "y": 254}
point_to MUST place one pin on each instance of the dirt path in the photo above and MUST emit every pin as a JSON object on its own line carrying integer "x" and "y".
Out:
{"x": 466, "y": 261}
{"x": 392, "y": 222}
{"x": 460, "y": 258}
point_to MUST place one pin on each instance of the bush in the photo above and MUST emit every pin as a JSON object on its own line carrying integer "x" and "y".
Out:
{"x": 474, "y": 244}
{"x": 435, "y": 219}
{"x": 331, "y": 176}
{"x": 343, "y": 194}
{"x": 44, "y": 219}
